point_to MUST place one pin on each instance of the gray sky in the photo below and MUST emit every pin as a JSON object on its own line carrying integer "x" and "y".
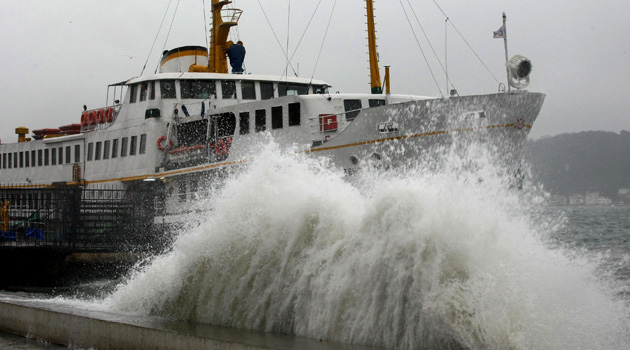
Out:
{"x": 59, "y": 55}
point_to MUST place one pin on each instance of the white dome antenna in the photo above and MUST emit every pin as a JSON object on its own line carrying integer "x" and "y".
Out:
{"x": 519, "y": 68}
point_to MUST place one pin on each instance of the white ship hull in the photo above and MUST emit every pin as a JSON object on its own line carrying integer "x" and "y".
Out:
{"x": 422, "y": 130}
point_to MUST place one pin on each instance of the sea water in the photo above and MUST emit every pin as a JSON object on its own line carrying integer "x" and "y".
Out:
{"x": 416, "y": 258}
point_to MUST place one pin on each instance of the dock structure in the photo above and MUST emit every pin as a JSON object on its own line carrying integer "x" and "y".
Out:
{"x": 54, "y": 235}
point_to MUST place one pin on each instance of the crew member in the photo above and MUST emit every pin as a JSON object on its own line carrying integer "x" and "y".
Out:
{"x": 236, "y": 54}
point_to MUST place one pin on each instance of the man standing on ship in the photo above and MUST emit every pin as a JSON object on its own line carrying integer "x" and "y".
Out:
{"x": 236, "y": 54}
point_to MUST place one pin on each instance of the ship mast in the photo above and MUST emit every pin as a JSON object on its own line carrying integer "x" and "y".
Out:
{"x": 217, "y": 62}
{"x": 375, "y": 76}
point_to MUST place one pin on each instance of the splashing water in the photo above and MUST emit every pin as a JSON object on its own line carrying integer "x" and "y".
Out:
{"x": 406, "y": 259}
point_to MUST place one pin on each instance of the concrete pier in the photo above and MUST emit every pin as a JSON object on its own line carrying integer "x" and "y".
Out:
{"x": 72, "y": 327}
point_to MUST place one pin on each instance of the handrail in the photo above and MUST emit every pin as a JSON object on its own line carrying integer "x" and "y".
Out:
{"x": 234, "y": 16}
{"x": 321, "y": 131}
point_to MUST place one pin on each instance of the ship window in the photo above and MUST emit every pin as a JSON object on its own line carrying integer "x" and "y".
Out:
{"x": 53, "y": 157}
{"x": 10, "y": 161}
{"x": 167, "y": 88}
{"x": 143, "y": 144}
{"x": 97, "y": 151}
{"x": 77, "y": 153}
{"x": 182, "y": 190}
{"x": 46, "y": 157}
{"x": 106, "y": 150}
{"x": 144, "y": 87}
{"x": 320, "y": 89}
{"x": 123, "y": 146}
{"x": 294, "y": 114}
{"x": 261, "y": 120}
{"x": 90, "y": 151}
{"x": 376, "y": 102}
{"x": 21, "y": 159}
{"x": 152, "y": 90}
{"x": 60, "y": 155}
{"x": 194, "y": 186}
{"x": 15, "y": 159}
{"x": 33, "y": 159}
{"x": 67, "y": 154}
{"x": 199, "y": 89}
{"x": 26, "y": 159}
{"x": 266, "y": 91}
{"x": 248, "y": 90}
{"x": 276, "y": 117}
{"x": 192, "y": 133}
{"x": 114, "y": 148}
{"x": 285, "y": 89}
{"x": 351, "y": 105}
{"x": 133, "y": 91}
{"x": 244, "y": 123}
{"x": 226, "y": 124}
{"x": 40, "y": 158}
{"x": 228, "y": 89}
{"x": 132, "y": 145}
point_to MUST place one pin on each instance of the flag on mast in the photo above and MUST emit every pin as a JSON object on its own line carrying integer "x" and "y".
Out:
{"x": 499, "y": 34}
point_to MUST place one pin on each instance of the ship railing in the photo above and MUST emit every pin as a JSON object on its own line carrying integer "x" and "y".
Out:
{"x": 327, "y": 124}
{"x": 161, "y": 204}
{"x": 75, "y": 217}
{"x": 104, "y": 124}
{"x": 231, "y": 15}
{"x": 209, "y": 152}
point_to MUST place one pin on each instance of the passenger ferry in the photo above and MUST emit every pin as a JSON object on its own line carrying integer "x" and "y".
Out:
{"x": 181, "y": 127}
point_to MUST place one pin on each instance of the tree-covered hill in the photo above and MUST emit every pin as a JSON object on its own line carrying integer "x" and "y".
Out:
{"x": 587, "y": 161}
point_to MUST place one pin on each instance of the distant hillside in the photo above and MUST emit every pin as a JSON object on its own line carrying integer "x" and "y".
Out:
{"x": 587, "y": 161}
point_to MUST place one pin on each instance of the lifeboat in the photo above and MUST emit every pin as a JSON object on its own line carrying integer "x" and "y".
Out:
{"x": 50, "y": 131}
{"x": 70, "y": 129}
{"x": 39, "y": 134}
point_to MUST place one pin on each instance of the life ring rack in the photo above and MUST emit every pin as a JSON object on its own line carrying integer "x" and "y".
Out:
{"x": 160, "y": 143}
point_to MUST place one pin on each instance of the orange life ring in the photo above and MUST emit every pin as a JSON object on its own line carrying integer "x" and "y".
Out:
{"x": 161, "y": 140}
{"x": 99, "y": 116}
{"x": 92, "y": 117}
{"x": 221, "y": 147}
{"x": 109, "y": 115}
{"x": 84, "y": 118}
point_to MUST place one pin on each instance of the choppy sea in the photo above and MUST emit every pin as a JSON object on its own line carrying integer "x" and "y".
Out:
{"x": 411, "y": 258}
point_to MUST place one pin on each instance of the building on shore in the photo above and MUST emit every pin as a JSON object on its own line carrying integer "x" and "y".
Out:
{"x": 587, "y": 199}
{"x": 623, "y": 196}
{"x": 576, "y": 199}
{"x": 557, "y": 201}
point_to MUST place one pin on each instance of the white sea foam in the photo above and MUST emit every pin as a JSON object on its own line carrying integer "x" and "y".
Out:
{"x": 408, "y": 259}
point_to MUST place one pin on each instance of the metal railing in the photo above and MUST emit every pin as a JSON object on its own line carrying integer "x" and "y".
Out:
{"x": 72, "y": 217}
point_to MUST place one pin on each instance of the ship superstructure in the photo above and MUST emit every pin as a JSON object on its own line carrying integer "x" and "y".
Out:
{"x": 183, "y": 125}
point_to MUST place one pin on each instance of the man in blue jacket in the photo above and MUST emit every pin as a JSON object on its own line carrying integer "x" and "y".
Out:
{"x": 236, "y": 54}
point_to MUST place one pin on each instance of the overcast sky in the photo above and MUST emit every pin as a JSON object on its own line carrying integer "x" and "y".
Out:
{"x": 59, "y": 55}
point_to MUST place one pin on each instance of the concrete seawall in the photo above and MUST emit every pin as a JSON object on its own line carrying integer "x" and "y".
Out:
{"x": 104, "y": 331}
